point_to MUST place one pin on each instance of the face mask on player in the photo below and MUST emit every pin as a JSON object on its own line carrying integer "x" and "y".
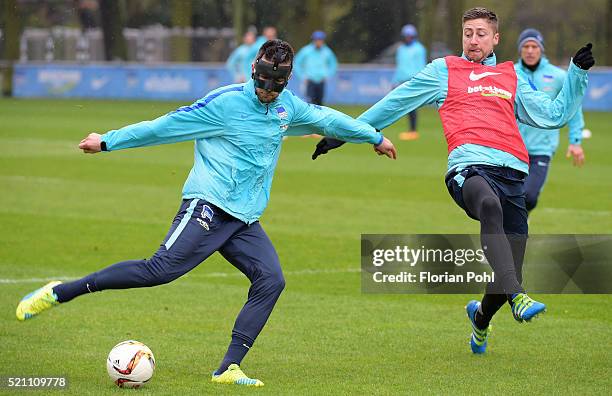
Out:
{"x": 270, "y": 75}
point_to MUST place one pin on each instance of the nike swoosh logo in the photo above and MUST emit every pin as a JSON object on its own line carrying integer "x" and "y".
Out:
{"x": 476, "y": 77}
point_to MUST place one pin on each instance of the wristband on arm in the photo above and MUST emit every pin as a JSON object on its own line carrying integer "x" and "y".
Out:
{"x": 382, "y": 139}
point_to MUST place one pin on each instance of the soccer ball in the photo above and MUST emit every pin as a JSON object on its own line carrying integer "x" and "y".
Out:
{"x": 130, "y": 364}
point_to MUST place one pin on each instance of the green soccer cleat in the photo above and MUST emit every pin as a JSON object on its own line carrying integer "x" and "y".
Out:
{"x": 234, "y": 376}
{"x": 37, "y": 301}
{"x": 524, "y": 308}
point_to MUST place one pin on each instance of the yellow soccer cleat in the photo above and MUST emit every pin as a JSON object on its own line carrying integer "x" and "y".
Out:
{"x": 234, "y": 376}
{"x": 37, "y": 301}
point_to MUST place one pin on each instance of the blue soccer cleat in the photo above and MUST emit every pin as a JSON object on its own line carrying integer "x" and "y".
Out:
{"x": 478, "y": 340}
{"x": 524, "y": 308}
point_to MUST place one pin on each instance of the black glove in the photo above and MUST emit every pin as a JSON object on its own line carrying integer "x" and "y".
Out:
{"x": 325, "y": 145}
{"x": 584, "y": 57}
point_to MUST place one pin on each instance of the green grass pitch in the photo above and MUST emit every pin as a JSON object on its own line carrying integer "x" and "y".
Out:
{"x": 65, "y": 214}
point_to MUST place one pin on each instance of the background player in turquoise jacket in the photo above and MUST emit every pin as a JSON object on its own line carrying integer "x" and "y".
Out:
{"x": 238, "y": 131}
{"x": 487, "y": 162}
{"x": 239, "y": 63}
{"x": 410, "y": 58}
{"x": 542, "y": 144}
{"x": 315, "y": 63}
{"x": 268, "y": 33}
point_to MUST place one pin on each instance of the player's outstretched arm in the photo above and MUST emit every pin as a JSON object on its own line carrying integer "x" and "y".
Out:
{"x": 310, "y": 119}
{"x": 422, "y": 89}
{"x": 202, "y": 119}
{"x": 535, "y": 108}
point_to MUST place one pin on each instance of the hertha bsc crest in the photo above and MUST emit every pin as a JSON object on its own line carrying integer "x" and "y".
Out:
{"x": 207, "y": 213}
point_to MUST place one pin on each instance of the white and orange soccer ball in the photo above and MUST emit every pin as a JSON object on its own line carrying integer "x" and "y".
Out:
{"x": 130, "y": 364}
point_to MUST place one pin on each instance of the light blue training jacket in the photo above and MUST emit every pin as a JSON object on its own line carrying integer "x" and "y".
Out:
{"x": 409, "y": 60}
{"x": 238, "y": 141}
{"x": 315, "y": 64}
{"x": 535, "y": 108}
{"x": 547, "y": 78}
{"x": 239, "y": 63}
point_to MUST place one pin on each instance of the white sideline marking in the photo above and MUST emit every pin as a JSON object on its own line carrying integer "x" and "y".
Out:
{"x": 37, "y": 280}
{"x": 578, "y": 211}
{"x": 237, "y": 274}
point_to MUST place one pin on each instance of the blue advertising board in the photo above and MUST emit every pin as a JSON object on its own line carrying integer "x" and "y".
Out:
{"x": 362, "y": 85}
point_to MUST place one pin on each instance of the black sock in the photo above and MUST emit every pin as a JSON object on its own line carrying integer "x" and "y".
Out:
{"x": 67, "y": 291}
{"x": 491, "y": 303}
{"x": 479, "y": 319}
{"x": 236, "y": 351}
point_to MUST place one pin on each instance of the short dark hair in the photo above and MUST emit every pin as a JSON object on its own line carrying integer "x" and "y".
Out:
{"x": 276, "y": 48}
{"x": 481, "y": 13}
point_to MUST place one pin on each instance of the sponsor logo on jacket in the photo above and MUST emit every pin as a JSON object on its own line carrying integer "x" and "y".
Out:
{"x": 490, "y": 90}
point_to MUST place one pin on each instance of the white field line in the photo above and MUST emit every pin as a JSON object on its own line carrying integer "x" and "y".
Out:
{"x": 35, "y": 280}
{"x": 578, "y": 211}
{"x": 235, "y": 274}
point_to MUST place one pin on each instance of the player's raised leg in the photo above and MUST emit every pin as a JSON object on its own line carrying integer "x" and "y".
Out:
{"x": 186, "y": 245}
{"x": 496, "y": 221}
{"x": 482, "y": 203}
{"x": 515, "y": 209}
{"x": 250, "y": 251}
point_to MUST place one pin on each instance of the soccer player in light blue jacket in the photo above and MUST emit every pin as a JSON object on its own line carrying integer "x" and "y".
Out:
{"x": 479, "y": 102}
{"x": 238, "y": 131}
{"x": 542, "y": 144}
{"x": 239, "y": 63}
{"x": 410, "y": 58}
{"x": 268, "y": 33}
{"x": 316, "y": 63}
